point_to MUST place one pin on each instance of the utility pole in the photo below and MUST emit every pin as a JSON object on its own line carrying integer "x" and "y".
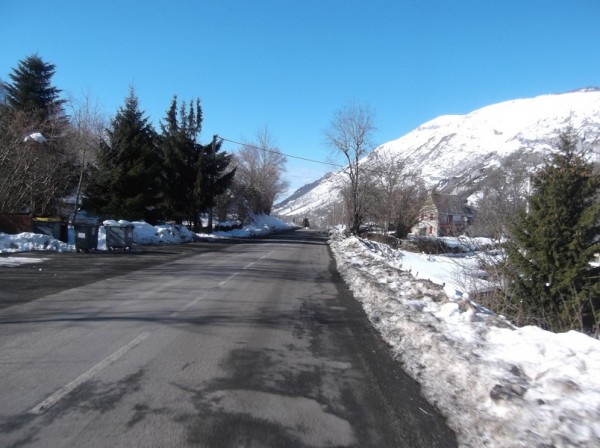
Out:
{"x": 212, "y": 157}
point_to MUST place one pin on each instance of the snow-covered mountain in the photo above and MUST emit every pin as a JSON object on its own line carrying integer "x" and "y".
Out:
{"x": 453, "y": 148}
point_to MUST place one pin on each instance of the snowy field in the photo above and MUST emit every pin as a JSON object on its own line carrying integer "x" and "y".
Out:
{"x": 498, "y": 385}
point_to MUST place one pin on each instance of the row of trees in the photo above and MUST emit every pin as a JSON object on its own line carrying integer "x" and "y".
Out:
{"x": 123, "y": 168}
{"x": 140, "y": 174}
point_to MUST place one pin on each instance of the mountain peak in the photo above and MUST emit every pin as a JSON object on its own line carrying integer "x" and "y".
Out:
{"x": 455, "y": 146}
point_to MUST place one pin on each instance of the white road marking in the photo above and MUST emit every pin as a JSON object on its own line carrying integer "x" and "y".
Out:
{"x": 229, "y": 278}
{"x": 68, "y": 388}
{"x": 189, "y": 304}
{"x": 244, "y": 268}
{"x": 221, "y": 284}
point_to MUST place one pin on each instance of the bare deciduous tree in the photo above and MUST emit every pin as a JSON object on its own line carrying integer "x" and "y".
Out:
{"x": 349, "y": 135}
{"x": 88, "y": 125}
{"x": 36, "y": 172}
{"x": 397, "y": 190}
{"x": 259, "y": 176}
{"x": 503, "y": 192}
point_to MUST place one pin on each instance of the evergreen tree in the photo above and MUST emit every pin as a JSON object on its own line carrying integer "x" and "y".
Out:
{"x": 126, "y": 181}
{"x": 181, "y": 158}
{"x": 32, "y": 92}
{"x": 554, "y": 242}
{"x": 213, "y": 179}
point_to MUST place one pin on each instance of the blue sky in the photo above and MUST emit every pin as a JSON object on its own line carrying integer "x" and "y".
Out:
{"x": 289, "y": 65}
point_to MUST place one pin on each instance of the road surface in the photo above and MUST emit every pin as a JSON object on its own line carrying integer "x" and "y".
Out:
{"x": 256, "y": 344}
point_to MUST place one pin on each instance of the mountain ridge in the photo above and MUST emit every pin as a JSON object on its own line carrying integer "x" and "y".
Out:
{"x": 451, "y": 147}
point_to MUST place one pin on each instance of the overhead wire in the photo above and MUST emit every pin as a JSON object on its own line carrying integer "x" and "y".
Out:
{"x": 336, "y": 165}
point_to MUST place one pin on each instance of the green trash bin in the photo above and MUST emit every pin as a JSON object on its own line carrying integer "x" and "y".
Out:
{"x": 119, "y": 236}
{"x": 86, "y": 236}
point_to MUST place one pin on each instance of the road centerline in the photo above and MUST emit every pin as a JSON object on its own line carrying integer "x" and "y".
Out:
{"x": 69, "y": 387}
{"x": 235, "y": 274}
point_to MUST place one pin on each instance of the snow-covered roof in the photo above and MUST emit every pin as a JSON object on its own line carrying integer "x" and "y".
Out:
{"x": 36, "y": 136}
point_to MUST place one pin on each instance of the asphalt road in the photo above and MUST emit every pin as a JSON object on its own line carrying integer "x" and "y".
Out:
{"x": 255, "y": 344}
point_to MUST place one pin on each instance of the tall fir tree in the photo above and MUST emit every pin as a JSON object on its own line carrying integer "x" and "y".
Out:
{"x": 555, "y": 240}
{"x": 180, "y": 129}
{"x": 32, "y": 92}
{"x": 214, "y": 177}
{"x": 126, "y": 182}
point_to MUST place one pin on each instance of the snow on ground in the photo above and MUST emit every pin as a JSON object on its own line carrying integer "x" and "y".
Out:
{"x": 28, "y": 242}
{"x": 143, "y": 233}
{"x": 498, "y": 385}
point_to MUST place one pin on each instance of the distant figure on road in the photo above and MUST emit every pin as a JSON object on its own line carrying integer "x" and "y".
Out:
{"x": 306, "y": 223}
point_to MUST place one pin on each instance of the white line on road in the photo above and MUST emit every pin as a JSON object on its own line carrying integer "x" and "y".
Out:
{"x": 68, "y": 388}
{"x": 244, "y": 268}
{"x": 221, "y": 284}
{"x": 189, "y": 304}
{"x": 63, "y": 391}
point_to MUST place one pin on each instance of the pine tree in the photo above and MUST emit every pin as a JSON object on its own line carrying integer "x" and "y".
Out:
{"x": 212, "y": 179}
{"x": 554, "y": 242}
{"x": 181, "y": 157}
{"x": 126, "y": 183}
{"x": 32, "y": 92}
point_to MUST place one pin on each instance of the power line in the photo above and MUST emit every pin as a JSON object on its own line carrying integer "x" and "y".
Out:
{"x": 279, "y": 152}
{"x": 336, "y": 165}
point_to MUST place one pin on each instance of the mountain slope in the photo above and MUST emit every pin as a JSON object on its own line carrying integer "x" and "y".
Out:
{"x": 452, "y": 148}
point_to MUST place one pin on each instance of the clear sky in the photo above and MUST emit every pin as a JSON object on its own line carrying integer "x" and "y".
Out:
{"x": 289, "y": 65}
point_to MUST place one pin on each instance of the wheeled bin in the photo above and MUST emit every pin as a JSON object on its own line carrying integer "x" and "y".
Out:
{"x": 86, "y": 236}
{"x": 119, "y": 236}
{"x": 54, "y": 227}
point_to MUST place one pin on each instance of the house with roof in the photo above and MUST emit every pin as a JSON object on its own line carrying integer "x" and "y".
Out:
{"x": 443, "y": 215}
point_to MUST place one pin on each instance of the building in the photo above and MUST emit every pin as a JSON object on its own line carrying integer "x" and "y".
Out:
{"x": 443, "y": 215}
